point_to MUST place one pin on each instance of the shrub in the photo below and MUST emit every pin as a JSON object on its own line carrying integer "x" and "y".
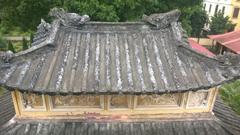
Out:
{"x": 3, "y": 44}
{"x": 24, "y": 44}
{"x": 11, "y": 47}
{"x": 230, "y": 93}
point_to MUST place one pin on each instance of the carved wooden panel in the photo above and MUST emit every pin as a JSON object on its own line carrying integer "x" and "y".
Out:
{"x": 85, "y": 101}
{"x": 119, "y": 101}
{"x": 158, "y": 100}
{"x": 32, "y": 101}
{"x": 198, "y": 99}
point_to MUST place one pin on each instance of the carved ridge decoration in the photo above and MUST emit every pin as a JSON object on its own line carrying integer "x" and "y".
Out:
{"x": 5, "y": 56}
{"x": 162, "y": 20}
{"x": 153, "y": 100}
{"x": 198, "y": 99}
{"x": 81, "y": 101}
{"x": 68, "y": 19}
{"x": 32, "y": 101}
{"x": 119, "y": 101}
{"x": 44, "y": 27}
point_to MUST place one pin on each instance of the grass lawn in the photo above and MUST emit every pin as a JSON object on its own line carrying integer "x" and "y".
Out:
{"x": 230, "y": 93}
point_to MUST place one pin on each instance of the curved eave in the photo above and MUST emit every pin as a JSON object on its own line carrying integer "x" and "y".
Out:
{"x": 39, "y": 47}
{"x": 120, "y": 92}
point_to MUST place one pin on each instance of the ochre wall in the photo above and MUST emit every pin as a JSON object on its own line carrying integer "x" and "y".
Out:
{"x": 235, "y": 3}
{"x": 133, "y": 112}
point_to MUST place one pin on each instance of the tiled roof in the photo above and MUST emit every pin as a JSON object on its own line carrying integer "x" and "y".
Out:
{"x": 204, "y": 127}
{"x": 6, "y": 107}
{"x": 230, "y": 119}
{"x": 112, "y": 58}
{"x": 230, "y": 40}
{"x": 200, "y": 48}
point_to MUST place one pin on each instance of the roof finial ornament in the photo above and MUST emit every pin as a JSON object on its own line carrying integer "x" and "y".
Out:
{"x": 229, "y": 59}
{"x": 162, "y": 20}
{"x": 6, "y": 56}
{"x": 44, "y": 27}
{"x": 69, "y": 19}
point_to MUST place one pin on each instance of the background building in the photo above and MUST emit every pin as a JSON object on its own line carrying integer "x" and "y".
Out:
{"x": 213, "y": 6}
{"x": 234, "y": 13}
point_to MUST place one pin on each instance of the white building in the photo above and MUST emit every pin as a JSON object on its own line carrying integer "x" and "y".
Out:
{"x": 213, "y": 6}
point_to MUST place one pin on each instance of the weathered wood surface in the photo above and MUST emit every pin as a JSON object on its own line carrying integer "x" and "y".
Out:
{"x": 6, "y": 107}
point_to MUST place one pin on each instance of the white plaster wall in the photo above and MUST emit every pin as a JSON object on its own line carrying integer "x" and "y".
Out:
{"x": 220, "y": 3}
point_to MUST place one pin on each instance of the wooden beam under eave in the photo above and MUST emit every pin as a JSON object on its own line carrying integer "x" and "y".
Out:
{"x": 15, "y": 103}
{"x": 215, "y": 93}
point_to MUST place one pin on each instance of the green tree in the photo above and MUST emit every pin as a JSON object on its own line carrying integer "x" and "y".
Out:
{"x": 31, "y": 39}
{"x": 11, "y": 47}
{"x": 3, "y": 44}
{"x": 230, "y": 93}
{"x": 108, "y": 10}
{"x": 24, "y": 44}
{"x": 97, "y": 10}
{"x": 198, "y": 19}
{"x": 220, "y": 24}
{"x": 132, "y": 10}
{"x": 26, "y": 14}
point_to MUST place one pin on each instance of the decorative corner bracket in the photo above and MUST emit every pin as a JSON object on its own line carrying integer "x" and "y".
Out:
{"x": 5, "y": 57}
{"x": 43, "y": 31}
{"x": 229, "y": 59}
{"x": 162, "y": 20}
{"x": 230, "y": 64}
{"x": 68, "y": 19}
{"x": 44, "y": 27}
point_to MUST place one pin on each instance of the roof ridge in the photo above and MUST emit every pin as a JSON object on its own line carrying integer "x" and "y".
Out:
{"x": 231, "y": 41}
{"x": 218, "y": 58}
{"x": 220, "y": 35}
{"x": 43, "y": 28}
{"x": 162, "y": 20}
{"x": 48, "y": 32}
{"x": 185, "y": 47}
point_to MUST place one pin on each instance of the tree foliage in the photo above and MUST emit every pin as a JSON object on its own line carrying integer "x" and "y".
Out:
{"x": 31, "y": 39}
{"x": 230, "y": 93}
{"x": 24, "y": 44}
{"x": 198, "y": 19}
{"x": 220, "y": 24}
{"x": 11, "y": 47}
{"x": 26, "y": 14}
{"x": 3, "y": 44}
